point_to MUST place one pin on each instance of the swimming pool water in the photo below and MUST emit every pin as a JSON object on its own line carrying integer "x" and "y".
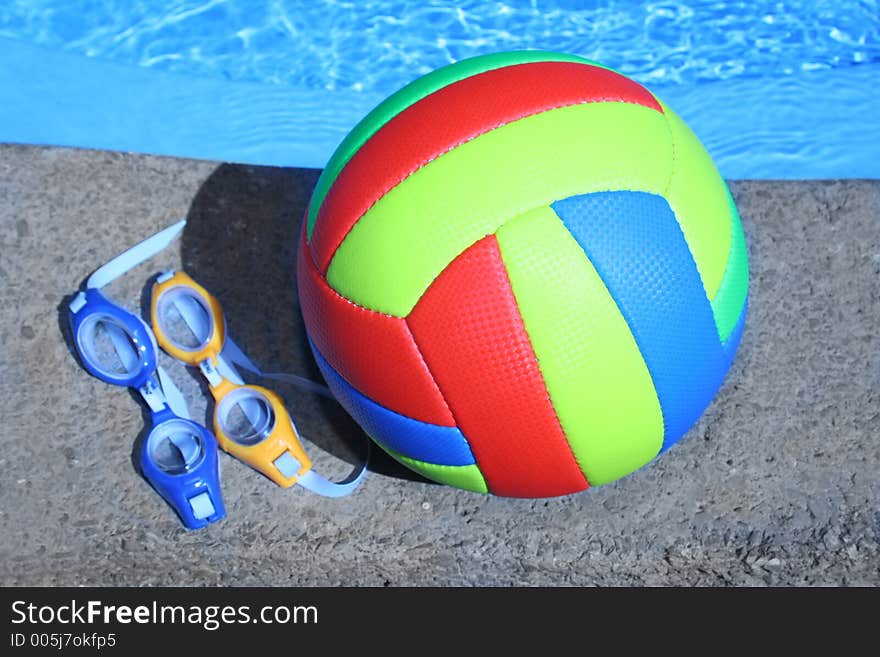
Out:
{"x": 338, "y": 58}
{"x": 382, "y": 45}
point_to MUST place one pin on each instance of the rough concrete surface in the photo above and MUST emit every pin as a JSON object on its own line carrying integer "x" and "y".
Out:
{"x": 777, "y": 483}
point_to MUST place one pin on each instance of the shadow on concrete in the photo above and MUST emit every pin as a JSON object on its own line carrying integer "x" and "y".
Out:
{"x": 240, "y": 243}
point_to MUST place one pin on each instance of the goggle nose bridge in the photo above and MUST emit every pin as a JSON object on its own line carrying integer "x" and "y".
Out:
{"x": 211, "y": 373}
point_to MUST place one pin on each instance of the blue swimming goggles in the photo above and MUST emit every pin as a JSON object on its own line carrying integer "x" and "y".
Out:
{"x": 179, "y": 457}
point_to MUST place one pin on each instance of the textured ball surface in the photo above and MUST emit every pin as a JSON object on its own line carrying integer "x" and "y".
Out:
{"x": 522, "y": 274}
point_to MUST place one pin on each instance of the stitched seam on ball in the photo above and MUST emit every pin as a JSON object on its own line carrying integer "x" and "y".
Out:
{"x": 674, "y": 213}
{"x": 672, "y": 147}
{"x": 430, "y": 374}
{"x": 426, "y": 369}
{"x": 538, "y": 365}
{"x": 727, "y": 266}
{"x": 742, "y": 309}
{"x": 691, "y": 254}
{"x": 451, "y": 82}
{"x": 496, "y": 229}
{"x": 448, "y": 84}
{"x": 631, "y": 332}
{"x": 443, "y": 396}
{"x": 465, "y": 141}
{"x": 308, "y": 247}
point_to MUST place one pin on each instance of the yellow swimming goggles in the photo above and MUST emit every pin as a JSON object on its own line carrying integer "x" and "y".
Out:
{"x": 250, "y": 421}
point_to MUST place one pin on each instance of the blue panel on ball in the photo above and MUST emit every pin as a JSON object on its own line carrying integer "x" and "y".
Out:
{"x": 636, "y": 245}
{"x": 412, "y": 438}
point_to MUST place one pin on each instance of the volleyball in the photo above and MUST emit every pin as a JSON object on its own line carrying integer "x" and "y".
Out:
{"x": 523, "y": 275}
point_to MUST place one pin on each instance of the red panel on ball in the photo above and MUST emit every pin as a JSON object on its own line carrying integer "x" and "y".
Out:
{"x": 469, "y": 330}
{"x": 375, "y": 353}
{"x": 449, "y": 117}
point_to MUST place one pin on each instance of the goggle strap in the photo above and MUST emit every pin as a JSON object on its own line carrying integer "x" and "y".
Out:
{"x": 322, "y": 486}
{"x": 134, "y": 256}
{"x": 233, "y": 354}
{"x": 301, "y": 382}
{"x": 173, "y": 396}
{"x": 228, "y": 371}
{"x": 288, "y": 466}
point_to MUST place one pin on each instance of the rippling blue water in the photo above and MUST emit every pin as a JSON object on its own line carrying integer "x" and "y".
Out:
{"x": 770, "y": 53}
{"x": 381, "y": 44}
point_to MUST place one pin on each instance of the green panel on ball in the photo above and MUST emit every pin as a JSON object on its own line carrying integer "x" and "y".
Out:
{"x": 728, "y": 302}
{"x": 411, "y": 94}
{"x": 412, "y": 233}
{"x": 467, "y": 477}
{"x": 597, "y": 380}
{"x": 697, "y": 195}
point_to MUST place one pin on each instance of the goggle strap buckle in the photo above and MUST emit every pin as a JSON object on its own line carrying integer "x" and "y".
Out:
{"x": 173, "y": 396}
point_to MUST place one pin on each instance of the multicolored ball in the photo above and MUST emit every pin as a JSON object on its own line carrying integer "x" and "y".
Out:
{"x": 522, "y": 274}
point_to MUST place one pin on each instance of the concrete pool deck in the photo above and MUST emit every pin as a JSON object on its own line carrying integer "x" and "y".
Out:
{"x": 777, "y": 484}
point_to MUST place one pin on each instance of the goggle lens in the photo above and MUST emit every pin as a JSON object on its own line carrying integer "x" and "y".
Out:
{"x": 246, "y": 416}
{"x": 175, "y": 447}
{"x": 185, "y": 319}
{"x": 108, "y": 346}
